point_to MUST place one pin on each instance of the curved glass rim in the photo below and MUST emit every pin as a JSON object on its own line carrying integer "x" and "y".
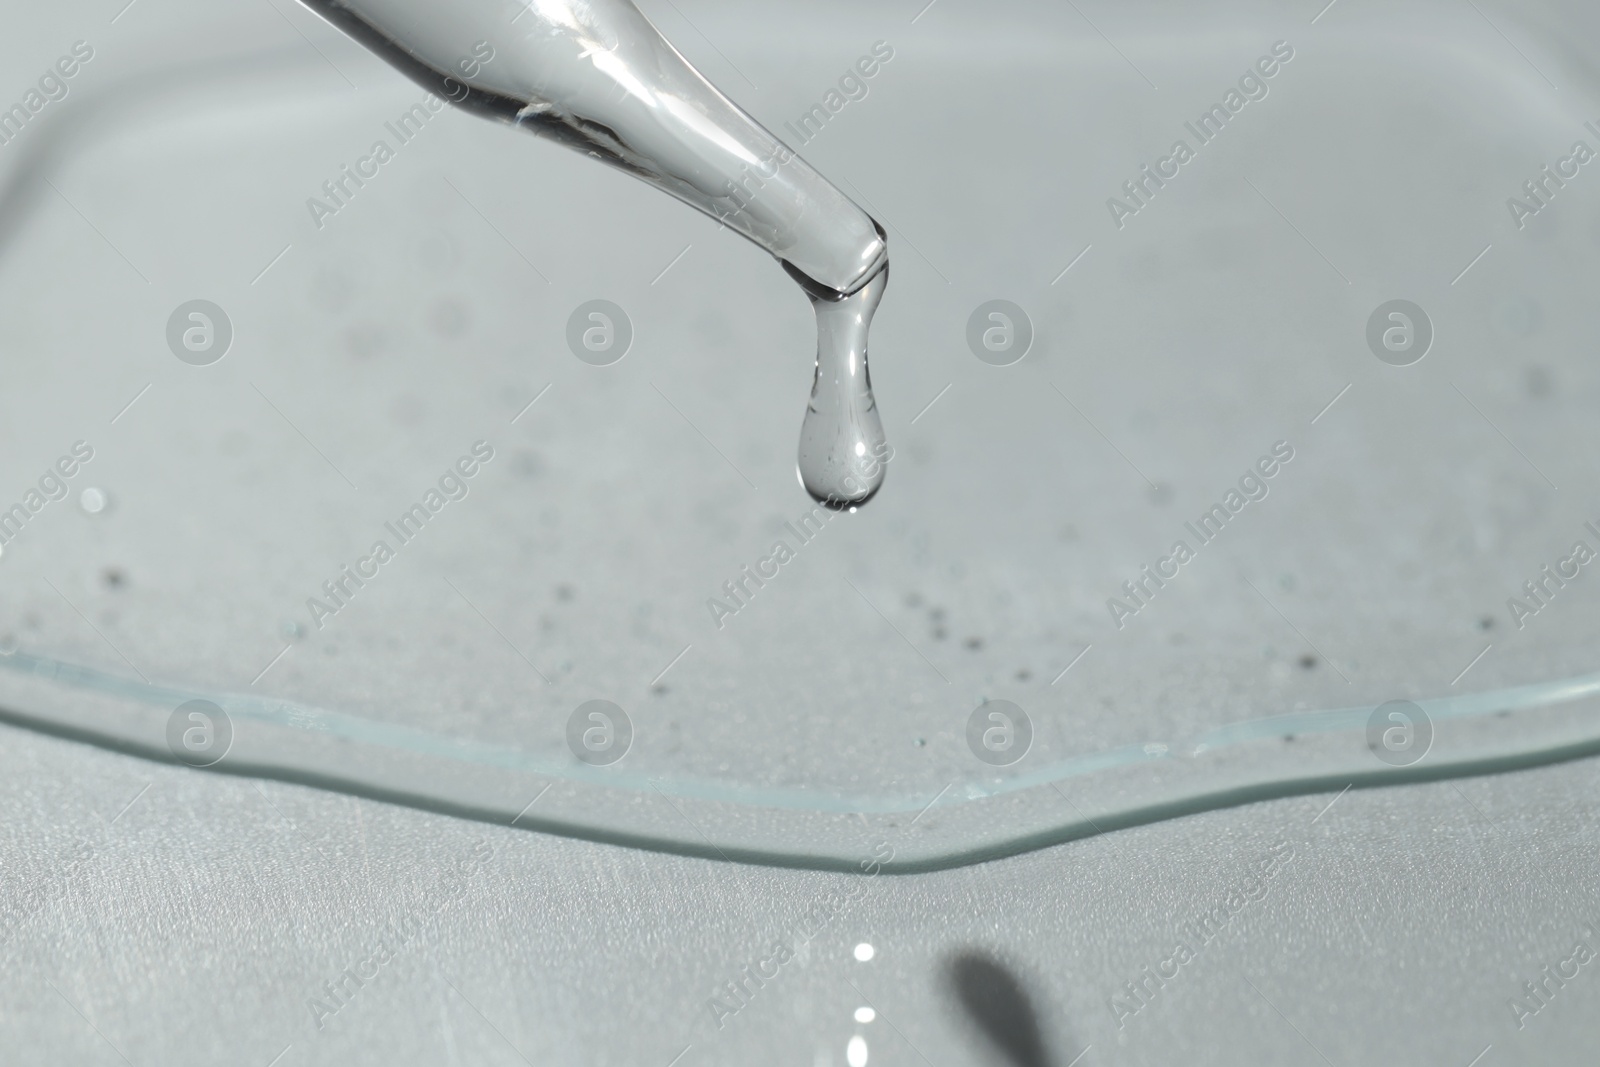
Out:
{"x": 341, "y": 747}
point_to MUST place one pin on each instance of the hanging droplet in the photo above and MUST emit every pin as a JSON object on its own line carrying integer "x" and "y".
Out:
{"x": 843, "y": 450}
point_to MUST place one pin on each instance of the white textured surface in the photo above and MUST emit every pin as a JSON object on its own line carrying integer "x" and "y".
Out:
{"x": 211, "y": 911}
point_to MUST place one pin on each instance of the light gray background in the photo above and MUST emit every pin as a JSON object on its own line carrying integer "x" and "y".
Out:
{"x": 212, "y": 908}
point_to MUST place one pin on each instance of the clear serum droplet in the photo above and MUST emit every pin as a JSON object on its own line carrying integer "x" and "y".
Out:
{"x": 843, "y": 450}
{"x": 598, "y": 77}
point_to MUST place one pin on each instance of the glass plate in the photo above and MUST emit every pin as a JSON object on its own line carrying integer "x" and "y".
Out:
{"x": 1364, "y": 500}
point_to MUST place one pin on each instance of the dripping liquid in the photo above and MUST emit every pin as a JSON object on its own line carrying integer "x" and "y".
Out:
{"x": 843, "y": 450}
